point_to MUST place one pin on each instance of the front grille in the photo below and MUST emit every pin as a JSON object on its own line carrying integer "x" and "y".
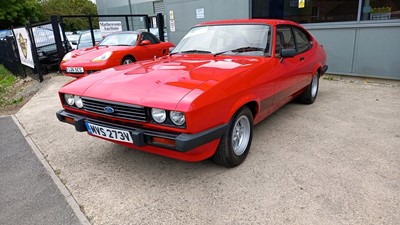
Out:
{"x": 121, "y": 110}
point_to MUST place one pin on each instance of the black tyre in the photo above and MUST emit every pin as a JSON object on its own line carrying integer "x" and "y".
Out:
{"x": 309, "y": 95}
{"x": 127, "y": 60}
{"x": 235, "y": 144}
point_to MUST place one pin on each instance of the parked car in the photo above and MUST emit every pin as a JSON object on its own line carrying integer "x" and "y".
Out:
{"x": 85, "y": 39}
{"x": 116, "y": 49}
{"x": 73, "y": 39}
{"x": 46, "y": 45}
{"x": 203, "y": 99}
{"x": 5, "y": 33}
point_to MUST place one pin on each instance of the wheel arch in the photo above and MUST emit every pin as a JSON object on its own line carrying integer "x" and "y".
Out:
{"x": 128, "y": 55}
{"x": 249, "y": 102}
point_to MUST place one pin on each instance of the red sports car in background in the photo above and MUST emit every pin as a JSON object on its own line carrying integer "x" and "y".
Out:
{"x": 115, "y": 49}
{"x": 203, "y": 99}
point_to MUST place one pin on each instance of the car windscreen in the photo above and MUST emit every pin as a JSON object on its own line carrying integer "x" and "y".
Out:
{"x": 120, "y": 40}
{"x": 86, "y": 37}
{"x": 232, "y": 39}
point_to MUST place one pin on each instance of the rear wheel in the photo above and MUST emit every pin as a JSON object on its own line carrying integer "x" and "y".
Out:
{"x": 235, "y": 143}
{"x": 127, "y": 60}
{"x": 309, "y": 95}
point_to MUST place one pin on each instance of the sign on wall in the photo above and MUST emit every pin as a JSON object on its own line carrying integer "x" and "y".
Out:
{"x": 24, "y": 47}
{"x": 200, "y": 13}
{"x": 107, "y": 27}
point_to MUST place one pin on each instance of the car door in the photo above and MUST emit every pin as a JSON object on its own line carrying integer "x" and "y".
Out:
{"x": 293, "y": 73}
{"x": 304, "y": 54}
{"x": 154, "y": 49}
{"x": 287, "y": 69}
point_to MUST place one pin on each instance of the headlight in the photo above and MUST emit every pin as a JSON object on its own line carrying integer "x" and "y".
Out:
{"x": 69, "y": 99}
{"x": 178, "y": 118}
{"x": 158, "y": 115}
{"x": 67, "y": 57}
{"x": 78, "y": 101}
{"x": 103, "y": 57}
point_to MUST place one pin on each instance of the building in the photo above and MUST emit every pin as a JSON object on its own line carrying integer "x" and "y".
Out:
{"x": 361, "y": 37}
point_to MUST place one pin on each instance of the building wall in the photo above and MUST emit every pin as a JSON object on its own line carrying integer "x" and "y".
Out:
{"x": 185, "y": 16}
{"x": 366, "y": 49}
{"x": 107, "y": 7}
{"x": 363, "y": 48}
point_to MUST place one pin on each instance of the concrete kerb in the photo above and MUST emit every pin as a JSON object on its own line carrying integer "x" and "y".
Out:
{"x": 68, "y": 196}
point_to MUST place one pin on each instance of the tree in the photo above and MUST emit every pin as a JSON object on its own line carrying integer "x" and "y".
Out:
{"x": 17, "y": 12}
{"x": 70, "y": 7}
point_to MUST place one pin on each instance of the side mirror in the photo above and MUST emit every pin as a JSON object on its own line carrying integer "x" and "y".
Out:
{"x": 145, "y": 42}
{"x": 74, "y": 42}
{"x": 171, "y": 49}
{"x": 288, "y": 53}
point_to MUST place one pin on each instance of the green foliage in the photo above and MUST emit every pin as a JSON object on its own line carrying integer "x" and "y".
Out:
{"x": 70, "y": 7}
{"x": 16, "y": 12}
{"x": 7, "y": 80}
{"x": 381, "y": 10}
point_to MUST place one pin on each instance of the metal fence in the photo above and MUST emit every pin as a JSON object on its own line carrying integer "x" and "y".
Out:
{"x": 9, "y": 57}
{"x": 50, "y": 43}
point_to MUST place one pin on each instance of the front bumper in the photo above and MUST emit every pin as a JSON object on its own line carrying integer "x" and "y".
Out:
{"x": 142, "y": 137}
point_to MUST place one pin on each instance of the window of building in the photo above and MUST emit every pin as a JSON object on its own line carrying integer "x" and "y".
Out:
{"x": 380, "y": 9}
{"x": 314, "y": 11}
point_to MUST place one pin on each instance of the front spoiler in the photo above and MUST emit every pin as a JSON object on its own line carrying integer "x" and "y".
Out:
{"x": 141, "y": 137}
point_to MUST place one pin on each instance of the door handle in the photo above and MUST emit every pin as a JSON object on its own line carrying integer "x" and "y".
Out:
{"x": 301, "y": 59}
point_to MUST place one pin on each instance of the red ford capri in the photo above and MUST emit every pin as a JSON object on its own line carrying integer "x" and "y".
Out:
{"x": 204, "y": 98}
{"x": 115, "y": 49}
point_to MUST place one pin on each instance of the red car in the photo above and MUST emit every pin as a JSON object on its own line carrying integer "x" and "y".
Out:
{"x": 115, "y": 49}
{"x": 203, "y": 99}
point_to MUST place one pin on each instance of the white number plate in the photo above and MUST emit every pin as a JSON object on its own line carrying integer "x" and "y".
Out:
{"x": 74, "y": 70}
{"x": 109, "y": 133}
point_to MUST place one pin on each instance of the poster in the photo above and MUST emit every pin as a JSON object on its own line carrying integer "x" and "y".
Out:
{"x": 108, "y": 27}
{"x": 24, "y": 46}
{"x": 301, "y": 4}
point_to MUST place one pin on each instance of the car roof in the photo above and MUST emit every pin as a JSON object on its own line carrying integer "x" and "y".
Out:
{"x": 272, "y": 22}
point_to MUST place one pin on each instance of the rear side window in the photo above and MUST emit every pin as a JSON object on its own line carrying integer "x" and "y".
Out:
{"x": 303, "y": 41}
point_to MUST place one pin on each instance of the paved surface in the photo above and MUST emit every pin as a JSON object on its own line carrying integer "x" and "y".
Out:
{"x": 334, "y": 162}
{"x": 28, "y": 195}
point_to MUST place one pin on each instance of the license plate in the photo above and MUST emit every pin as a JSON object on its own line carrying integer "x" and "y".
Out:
{"x": 109, "y": 133}
{"x": 74, "y": 69}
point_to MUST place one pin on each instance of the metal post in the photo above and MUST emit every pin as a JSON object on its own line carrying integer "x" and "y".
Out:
{"x": 34, "y": 51}
{"x": 66, "y": 42}
{"x": 57, "y": 38}
{"x": 91, "y": 30}
{"x": 160, "y": 26}
{"x": 127, "y": 22}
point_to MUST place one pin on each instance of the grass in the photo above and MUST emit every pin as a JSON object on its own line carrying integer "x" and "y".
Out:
{"x": 7, "y": 80}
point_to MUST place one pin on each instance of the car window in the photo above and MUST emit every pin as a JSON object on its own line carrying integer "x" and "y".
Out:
{"x": 234, "y": 39}
{"x": 147, "y": 36}
{"x": 87, "y": 36}
{"x": 128, "y": 39}
{"x": 284, "y": 39}
{"x": 303, "y": 41}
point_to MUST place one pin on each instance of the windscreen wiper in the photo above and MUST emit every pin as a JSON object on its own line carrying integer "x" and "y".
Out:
{"x": 191, "y": 51}
{"x": 241, "y": 49}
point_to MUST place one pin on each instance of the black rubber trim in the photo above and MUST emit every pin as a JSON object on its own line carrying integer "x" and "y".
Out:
{"x": 324, "y": 69}
{"x": 183, "y": 142}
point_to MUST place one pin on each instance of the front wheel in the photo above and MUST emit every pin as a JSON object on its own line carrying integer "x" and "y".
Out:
{"x": 127, "y": 60}
{"x": 235, "y": 143}
{"x": 309, "y": 94}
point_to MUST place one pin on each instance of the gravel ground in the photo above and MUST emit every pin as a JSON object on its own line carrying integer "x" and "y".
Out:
{"x": 334, "y": 162}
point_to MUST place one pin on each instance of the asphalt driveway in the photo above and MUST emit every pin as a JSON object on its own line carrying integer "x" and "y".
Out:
{"x": 334, "y": 162}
